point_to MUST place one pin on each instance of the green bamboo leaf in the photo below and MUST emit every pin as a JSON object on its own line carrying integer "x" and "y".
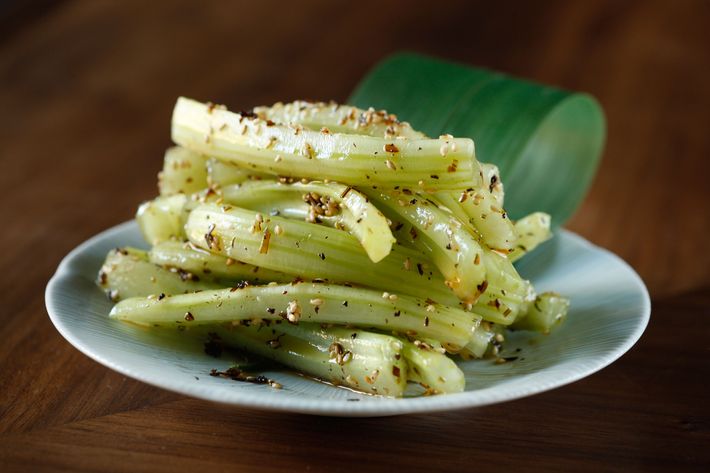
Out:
{"x": 547, "y": 142}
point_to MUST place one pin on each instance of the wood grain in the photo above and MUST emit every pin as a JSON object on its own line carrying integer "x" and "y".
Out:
{"x": 87, "y": 89}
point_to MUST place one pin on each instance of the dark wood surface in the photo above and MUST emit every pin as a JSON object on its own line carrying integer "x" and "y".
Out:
{"x": 86, "y": 91}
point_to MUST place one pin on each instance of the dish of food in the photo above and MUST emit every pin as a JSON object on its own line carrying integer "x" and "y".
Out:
{"x": 346, "y": 245}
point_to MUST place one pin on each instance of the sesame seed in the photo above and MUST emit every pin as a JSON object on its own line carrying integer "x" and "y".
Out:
{"x": 293, "y": 312}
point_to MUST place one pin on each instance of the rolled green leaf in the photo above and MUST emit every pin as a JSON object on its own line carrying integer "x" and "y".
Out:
{"x": 547, "y": 142}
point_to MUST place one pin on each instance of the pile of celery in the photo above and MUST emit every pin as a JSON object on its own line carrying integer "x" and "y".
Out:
{"x": 334, "y": 240}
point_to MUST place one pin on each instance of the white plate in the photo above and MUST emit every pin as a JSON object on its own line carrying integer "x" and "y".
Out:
{"x": 610, "y": 309}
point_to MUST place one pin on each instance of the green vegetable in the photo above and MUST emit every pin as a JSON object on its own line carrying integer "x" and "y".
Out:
{"x": 126, "y": 273}
{"x": 345, "y": 206}
{"x": 369, "y": 362}
{"x": 429, "y": 366}
{"x": 339, "y": 119}
{"x": 284, "y": 150}
{"x": 439, "y": 236}
{"x": 309, "y": 302}
{"x": 161, "y": 219}
{"x": 547, "y": 311}
{"x": 532, "y": 231}
{"x": 187, "y": 257}
{"x": 314, "y": 251}
{"x": 184, "y": 172}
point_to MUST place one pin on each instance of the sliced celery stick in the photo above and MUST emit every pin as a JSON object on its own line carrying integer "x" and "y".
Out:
{"x": 184, "y": 172}
{"x": 293, "y": 151}
{"x": 128, "y": 273}
{"x": 307, "y": 302}
{"x": 161, "y": 219}
{"x": 532, "y": 230}
{"x": 339, "y": 119}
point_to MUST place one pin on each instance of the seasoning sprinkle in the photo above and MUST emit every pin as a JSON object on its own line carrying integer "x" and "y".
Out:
{"x": 265, "y": 238}
{"x": 293, "y": 312}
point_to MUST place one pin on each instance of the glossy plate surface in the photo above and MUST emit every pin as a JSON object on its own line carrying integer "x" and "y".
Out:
{"x": 609, "y": 312}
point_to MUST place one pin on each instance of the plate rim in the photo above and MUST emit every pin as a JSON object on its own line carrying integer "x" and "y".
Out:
{"x": 384, "y": 406}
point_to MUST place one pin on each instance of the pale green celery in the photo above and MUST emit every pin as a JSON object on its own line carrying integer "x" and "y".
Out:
{"x": 439, "y": 236}
{"x": 127, "y": 273}
{"x": 483, "y": 212}
{"x": 307, "y": 302}
{"x": 547, "y": 312}
{"x": 348, "y": 208}
{"x": 492, "y": 181}
{"x": 321, "y": 252}
{"x": 480, "y": 342}
{"x": 361, "y": 360}
{"x": 195, "y": 260}
{"x": 161, "y": 219}
{"x": 222, "y": 173}
{"x": 429, "y": 366}
{"x": 184, "y": 172}
{"x": 532, "y": 230}
{"x": 359, "y": 160}
{"x": 314, "y": 251}
{"x": 339, "y": 119}
{"x": 507, "y": 295}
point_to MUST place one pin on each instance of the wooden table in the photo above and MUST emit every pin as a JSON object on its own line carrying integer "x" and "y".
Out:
{"x": 86, "y": 90}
